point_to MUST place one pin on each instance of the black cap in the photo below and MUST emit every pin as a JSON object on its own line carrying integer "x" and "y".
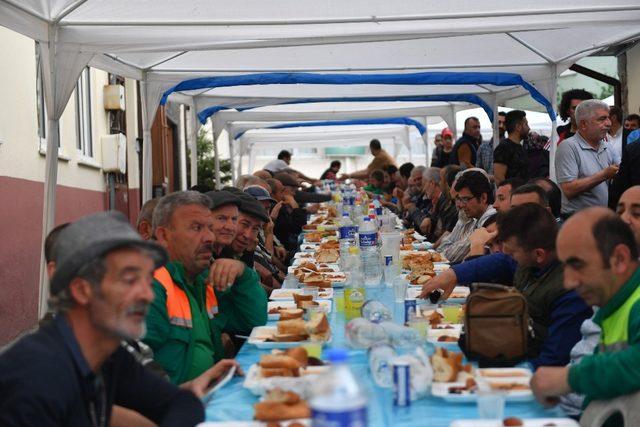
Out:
{"x": 252, "y": 207}
{"x": 222, "y": 198}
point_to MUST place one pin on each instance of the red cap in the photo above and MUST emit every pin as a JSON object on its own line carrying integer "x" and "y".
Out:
{"x": 446, "y": 132}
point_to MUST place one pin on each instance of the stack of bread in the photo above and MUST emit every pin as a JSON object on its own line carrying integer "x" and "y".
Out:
{"x": 279, "y": 405}
{"x": 448, "y": 366}
{"x": 293, "y": 330}
{"x": 287, "y": 364}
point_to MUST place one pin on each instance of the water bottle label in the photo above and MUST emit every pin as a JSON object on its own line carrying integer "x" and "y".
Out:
{"x": 368, "y": 239}
{"x": 379, "y": 211}
{"x": 350, "y": 418}
{"x": 348, "y": 232}
{"x": 388, "y": 260}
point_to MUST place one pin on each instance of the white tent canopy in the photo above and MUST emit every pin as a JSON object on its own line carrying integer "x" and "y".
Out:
{"x": 325, "y": 136}
{"x": 163, "y": 42}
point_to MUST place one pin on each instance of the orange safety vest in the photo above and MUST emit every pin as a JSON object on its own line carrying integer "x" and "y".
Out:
{"x": 178, "y": 307}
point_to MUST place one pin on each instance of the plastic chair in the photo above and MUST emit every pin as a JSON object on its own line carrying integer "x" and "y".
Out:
{"x": 599, "y": 411}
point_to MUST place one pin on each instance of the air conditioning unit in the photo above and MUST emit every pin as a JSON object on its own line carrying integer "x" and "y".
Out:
{"x": 114, "y": 153}
{"x": 113, "y": 96}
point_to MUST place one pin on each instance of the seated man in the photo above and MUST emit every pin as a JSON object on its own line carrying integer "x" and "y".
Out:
{"x": 195, "y": 301}
{"x": 224, "y": 210}
{"x": 600, "y": 256}
{"x": 290, "y": 217}
{"x": 474, "y": 197}
{"x": 144, "y": 227}
{"x": 376, "y": 183}
{"x": 528, "y": 233}
{"x": 504, "y": 191}
{"x": 73, "y": 369}
{"x": 418, "y": 215}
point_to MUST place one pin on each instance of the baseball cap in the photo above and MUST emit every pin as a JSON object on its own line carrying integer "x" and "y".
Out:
{"x": 446, "y": 132}
{"x": 259, "y": 193}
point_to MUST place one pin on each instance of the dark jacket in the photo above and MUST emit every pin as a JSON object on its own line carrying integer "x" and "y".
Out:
{"x": 628, "y": 175}
{"x": 465, "y": 140}
{"x": 288, "y": 226}
{"x": 46, "y": 381}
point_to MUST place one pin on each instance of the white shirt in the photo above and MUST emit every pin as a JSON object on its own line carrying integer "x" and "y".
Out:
{"x": 275, "y": 166}
{"x": 614, "y": 142}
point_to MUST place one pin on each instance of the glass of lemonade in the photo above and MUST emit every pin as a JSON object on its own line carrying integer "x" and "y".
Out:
{"x": 452, "y": 312}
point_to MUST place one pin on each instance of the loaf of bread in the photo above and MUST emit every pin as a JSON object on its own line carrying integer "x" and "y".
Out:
{"x": 278, "y": 372}
{"x": 279, "y": 405}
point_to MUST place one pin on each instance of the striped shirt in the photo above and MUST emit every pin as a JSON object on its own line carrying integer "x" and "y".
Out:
{"x": 456, "y": 245}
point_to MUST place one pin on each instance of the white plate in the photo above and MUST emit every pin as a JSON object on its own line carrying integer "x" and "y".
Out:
{"x": 334, "y": 267}
{"x": 532, "y": 422}
{"x": 297, "y": 261}
{"x": 326, "y": 304}
{"x": 305, "y": 422}
{"x": 307, "y": 256}
{"x": 308, "y": 247}
{"x": 442, "y": 390}
{"x": 258, "y": 385}
{"x": 260, "y": 333}
{"x": 287, "y": 294}
{"x": 491, "y": 374}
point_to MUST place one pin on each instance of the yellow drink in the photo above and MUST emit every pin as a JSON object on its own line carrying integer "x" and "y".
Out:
{"x": 353, "y": 302}
{"x": 451, "y": 313}
{"x": 421, "y": 326}
{"x": 338, "y": 301}
{"x": 314, "y": 349}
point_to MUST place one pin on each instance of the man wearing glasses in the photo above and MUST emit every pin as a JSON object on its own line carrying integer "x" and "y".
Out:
{"x": 474, "y": 199}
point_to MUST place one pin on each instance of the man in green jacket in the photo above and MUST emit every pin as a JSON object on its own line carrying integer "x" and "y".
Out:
{"x": 196, "y": 301}
{"x": 602, "y": 266}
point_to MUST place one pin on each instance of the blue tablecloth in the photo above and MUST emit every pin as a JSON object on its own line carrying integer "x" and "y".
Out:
{"x": 234, "y": 403}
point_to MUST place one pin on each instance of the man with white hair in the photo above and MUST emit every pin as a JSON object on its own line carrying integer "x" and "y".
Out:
{"x": 584, "y": 162}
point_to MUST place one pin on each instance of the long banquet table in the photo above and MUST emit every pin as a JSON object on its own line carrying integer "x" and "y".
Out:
{"x": 235, "y": 403}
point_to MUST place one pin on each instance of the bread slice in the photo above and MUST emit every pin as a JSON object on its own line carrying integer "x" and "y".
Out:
{"x": 290, "y": 313}
{"x": 297, "y": 298}
{"x": 276, "y": 411}
{"x": 293, "y": 326}
{"x": 300, "y": 354}
{"x": 290, "y": 337}
{"x": 444, "y": 369}
{"x": 279, "y": 361}
{"x": 305, "y": 304}
{"x": 317, "y": 324}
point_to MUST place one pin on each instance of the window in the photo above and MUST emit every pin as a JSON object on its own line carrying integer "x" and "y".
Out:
{"x": 83, "y": 114}
{"x": 40, "y": 104}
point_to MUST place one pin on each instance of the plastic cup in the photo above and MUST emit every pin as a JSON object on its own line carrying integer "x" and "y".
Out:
{"x": 338, "y": 301}
{"x": 490, "y": 404}
{"x": 391, "y": 244}
{"x": 451, "y": 312}
{"x": 400, "y": 285}
{"x": 421, "y": 325}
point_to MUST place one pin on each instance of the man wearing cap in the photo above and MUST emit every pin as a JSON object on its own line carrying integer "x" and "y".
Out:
{"x": 224, "y": 209}
{"x": 442, "y": 153}
{"x": 290, "y": 217}
{"x": 73, "y": 369}
{"x": 196, "y": 301}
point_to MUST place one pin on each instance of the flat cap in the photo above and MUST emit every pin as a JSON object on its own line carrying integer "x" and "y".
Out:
{"x": 259, "y": 193}
{"x": 93, "y": 236}
{"x": 250, "y": 206}
{"x": 221, "y": 198}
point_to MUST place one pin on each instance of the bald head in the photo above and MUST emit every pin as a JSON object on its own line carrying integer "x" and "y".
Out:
{"x": 263, "y": 174}
{"x": 599, "y": 253}
{"x": 629, "y": 210}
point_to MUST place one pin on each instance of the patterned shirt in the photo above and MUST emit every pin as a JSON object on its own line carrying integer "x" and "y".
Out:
{"x": 456, "y": 245}
{"x": 485, "y": 156}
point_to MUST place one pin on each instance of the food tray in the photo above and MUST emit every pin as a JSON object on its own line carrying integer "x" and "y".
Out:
{"x": 260, "y": 333}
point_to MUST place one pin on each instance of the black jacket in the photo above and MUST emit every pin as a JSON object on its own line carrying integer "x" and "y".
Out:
{"x": 628, "y": 175}
{"x": 46, "y": 381}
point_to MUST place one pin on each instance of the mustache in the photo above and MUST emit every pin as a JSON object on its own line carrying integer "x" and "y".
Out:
{"x": 205, "y": 249}
{"x": 138, "y": 308}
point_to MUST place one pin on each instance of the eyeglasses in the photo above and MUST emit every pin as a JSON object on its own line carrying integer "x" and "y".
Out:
{"x": 463, "y": 200}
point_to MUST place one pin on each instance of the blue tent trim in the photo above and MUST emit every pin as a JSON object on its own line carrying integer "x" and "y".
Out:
{"x": 392, "y": 121}
{"x": 470, "y": 98}
{"x": 425, "y": 78}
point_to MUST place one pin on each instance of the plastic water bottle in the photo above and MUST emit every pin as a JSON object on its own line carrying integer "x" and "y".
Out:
{"x": 362, "y": 333}
{"x": 401, "y": 336}
{"x": 368, "y": 239}
{"x": 347, "y": 237}
{"x": 338, "y": 400}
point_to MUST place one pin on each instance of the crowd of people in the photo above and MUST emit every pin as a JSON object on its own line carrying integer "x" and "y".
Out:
{"x": 176, "y": 296}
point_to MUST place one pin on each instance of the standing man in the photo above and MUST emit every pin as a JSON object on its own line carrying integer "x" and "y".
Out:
{"x": 600, "y": 259}
{"x": 465, "y": 150}
{"x": 72, "y": 370}
{"x": 381, "y": 160}
{"x": 281, "y": 164}
{"x": 614, "y": 137}
{"x": 485, "y": 151}
{"x": 584, "y": 163}
{"x": 332, "y": 172}
{"x": 195, "y": 301}
{"x": 510, "y": 158}
{"x": 442, "y": 153}
{"x": 570, "y": 100}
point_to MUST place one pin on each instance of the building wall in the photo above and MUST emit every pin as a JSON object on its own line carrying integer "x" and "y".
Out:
{"x": 81, "y": 182}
